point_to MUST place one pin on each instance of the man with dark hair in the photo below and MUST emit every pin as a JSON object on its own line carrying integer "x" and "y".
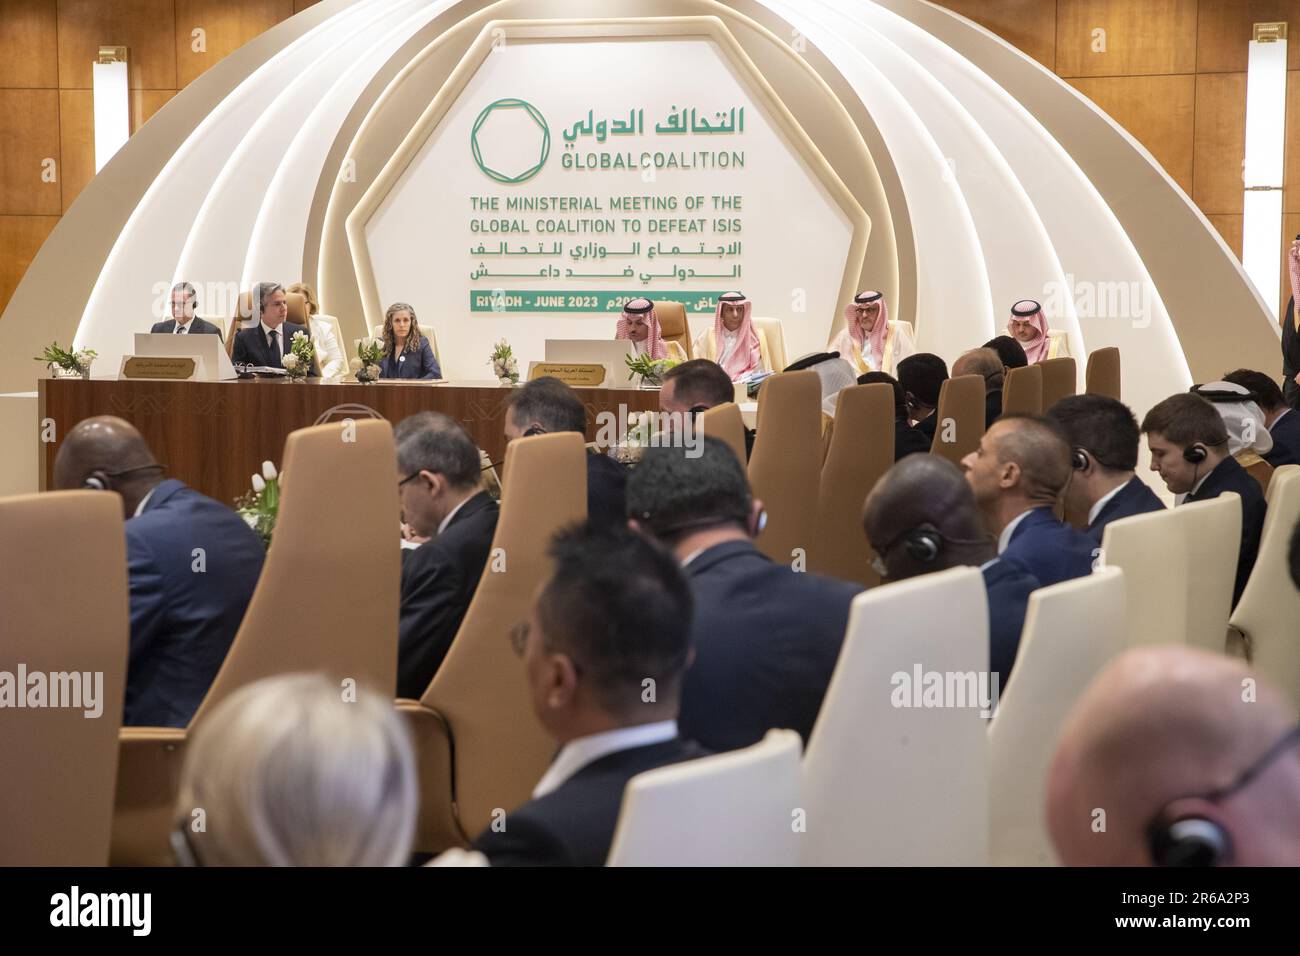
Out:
{"x": 696, "y": 386}
{"x": 1018, "y": 474}
{"x": 987, "y": 364}
{"x": 922, "y": 376}
{"x": 766, "y": 636}
{"x": 1189, "y": 449}
{"x": 1283, "y": 426}
{"x": 184, "y": 299}
{"x": 922, "y": 517}
{"x": 907, "y": 440}
{"x": 545, "y": 406}
{"x": 440, "y": 489}
{"x": 604, "y": 650}
{"x": 269, "y": 339}
{"x": 1009, "y": 350}
{"x": 1103, "y": 437}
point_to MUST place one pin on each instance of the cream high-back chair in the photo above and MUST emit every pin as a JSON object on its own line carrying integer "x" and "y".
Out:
{"x": 1022, "y": 391}
{"x": 1269, "y": 608}
{"x": 959, "y": 418}
{"x": 1102, "y": 373}
{"x": 673, "y": 325}
{"x": 63, "y": 610}
{"x": 1071, "y": 631}
{"x": 1151, "y": 550}
{"x": 1060, "y": 379}
{"x": 725, "y": 423}
{"x": 729, "y": 809}
{"x": 1212, "y": 534}
{"x": 772, "y": 331}
{"x": 243, "y": 312}
{"x": 478, "y": 745}
{"x": 785, "y": 470}
{"x": 327, "y": 601}
{"x": 889, "y": 781}
{"x": 861, "y": 450}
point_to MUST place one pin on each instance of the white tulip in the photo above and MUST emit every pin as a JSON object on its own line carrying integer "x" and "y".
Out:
{"x": 268, "y": 471}
{"x": 355, "y": 364}
{"x": 290, "y": 362}
{"x": 258, "y": 484}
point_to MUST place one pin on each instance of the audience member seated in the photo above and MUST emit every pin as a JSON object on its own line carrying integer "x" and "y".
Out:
{"x": 766, "y": 636}
{"x": 1189, "y": 450}
{"x": 287, "y": 772}
{"x": 922, "y": 517}
{"x": 987, "y": 364}
{"x": 545, "y": 406}
{"x": 1189, "y": 769}
{"x": 329, "y": 353}
{"x": 1283, "y": 427}
{"x": 907, "y": 439}
{"x": 1028, "y": 326}
{"x": 603, "y": 650}
{"x": 733, "y": 341}
{"x": 640, "y": 325}
{"x": 836, "y": 374}
{"x": 1018, "y": 474}
{"x": 184, "y": 299}
{"x": 407, "y": 353}
{"x": 1009, "y": 350}
{"x": 869, "y": 341}
{"x": 696, "y": 386}
{"x": 184, "y": 612}
{"x": 922, "y": 376}
{"x": 1104, "y": 440}
{"x": 1248, "y": 436}
{"x": 440, "y": 489}
{"x": 269, "y": 337}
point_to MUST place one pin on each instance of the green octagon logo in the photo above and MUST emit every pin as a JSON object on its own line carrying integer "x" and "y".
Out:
{"x": 513, "y": 118}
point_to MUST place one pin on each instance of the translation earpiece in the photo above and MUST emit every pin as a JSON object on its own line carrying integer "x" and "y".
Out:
{"x": 1192, "y": 841}
{"x": 95, "y": 482}
{"x": 1195, "y": 454}
{"x": 534, "y": 430}
{"x": 1079, "y": 459}
{"x": 923, "y": 545}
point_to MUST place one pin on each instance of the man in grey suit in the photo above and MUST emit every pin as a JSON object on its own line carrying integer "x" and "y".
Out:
{"x": 183, "y": 321}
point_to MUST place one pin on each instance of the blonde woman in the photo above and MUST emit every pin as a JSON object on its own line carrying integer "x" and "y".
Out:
{"x": 292, "y": 771}
{"x": 329, "y": 353}
{"x": 407, "y": 353}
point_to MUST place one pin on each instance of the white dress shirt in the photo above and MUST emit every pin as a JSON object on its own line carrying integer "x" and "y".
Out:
{"x": 1004, "y": 539}
{"x": 582, "y": 751}
{"x": 729, "y": 340}
{"x": 139, "y": 509}
{"x": 182, "y": 329}
{"x": 1103, "y": 501}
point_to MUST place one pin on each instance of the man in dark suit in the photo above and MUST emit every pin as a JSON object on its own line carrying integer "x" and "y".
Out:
{"x": 192, "y": 565}
{"x": 907, "y": 439}
{"x": 1282, "y": 422}
{"x": 1103, "y": 437}
{"x": 922, "y": 517}
{"x": 696, "y": 386}
{"x": 1011, "y": 352}
{"x": 922, "y": 376}
{"x": 987, "y": 364}
{"x": 546, "y": 405}
{"x": 440, "y": 489}
{"x": 1018, "y": 474}
{"x": 766, "y": 636}
{"x": 1189, "y": 449}
{"x": 184, "y": 298}
{"x": 268, "y": 340}
{"x": 603, "y": 649}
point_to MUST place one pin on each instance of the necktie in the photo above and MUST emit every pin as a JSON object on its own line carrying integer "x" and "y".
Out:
{"x": 180, "y": 330}
{"x": 275, "y": 349}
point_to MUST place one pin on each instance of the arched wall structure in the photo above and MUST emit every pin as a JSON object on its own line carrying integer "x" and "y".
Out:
{"x": 985, "y": 179}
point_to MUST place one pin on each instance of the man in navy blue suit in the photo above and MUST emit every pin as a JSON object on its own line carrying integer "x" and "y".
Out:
{"x": 1018, "y": 474}
{"x": 269, "y": 339}
{"x": 922, "y": 517}
{"x": 192, "y": 567}
{"x": 766, "y": 636}
{"x": 1104, "y": 440}
{"x": 184, "y": 299}
{"x": 1282, "y": 421}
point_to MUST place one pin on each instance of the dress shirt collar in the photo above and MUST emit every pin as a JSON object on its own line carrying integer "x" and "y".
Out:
{"x": 1004, "y": 539}
{"x": 139, "y": 509}
{"x": 1280, "y": 415}
{"x": 1103, "y": 501}
{"x": 582, "y": 751}
{"x": 267, "y": 330}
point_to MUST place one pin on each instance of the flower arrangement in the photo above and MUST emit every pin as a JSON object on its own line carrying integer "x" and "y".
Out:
{"x": 71, "y": 363}
{"x": 299, "y": 359}
{"x": 261, "y": 506}
{"x": 651, "y": 370}
{"x": 365, "y": 366}
{"x": 503, "y": 363}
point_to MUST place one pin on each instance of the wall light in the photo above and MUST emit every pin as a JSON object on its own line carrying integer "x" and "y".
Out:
{"x": 112, "y": 103}
{"x": 1265, "y": 153}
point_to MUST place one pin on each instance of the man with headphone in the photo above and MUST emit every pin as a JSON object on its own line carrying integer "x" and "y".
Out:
{"x": 696, "y": 386}
{"x": 1189, "y": 449}
{"x": 1177, "y": 757}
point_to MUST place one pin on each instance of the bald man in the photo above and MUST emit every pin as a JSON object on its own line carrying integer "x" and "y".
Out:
{"x": 922, "y": 517}
{"x": 1177, "y": 757}
{"x": 1019, "y": 474}
{"x": 192, "y": 565}
{"x": 987, "y": 364}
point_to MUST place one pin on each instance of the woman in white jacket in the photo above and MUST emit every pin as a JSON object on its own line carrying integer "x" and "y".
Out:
{"x": 329, "y": 354}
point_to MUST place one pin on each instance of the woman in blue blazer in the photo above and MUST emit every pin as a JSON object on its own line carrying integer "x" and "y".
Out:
{"x": 407, "y": 353}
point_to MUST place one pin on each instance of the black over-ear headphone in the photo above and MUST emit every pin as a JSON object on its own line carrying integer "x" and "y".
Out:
{"x": 534, "y": 430}
{"x": 923, "y": 544}
{"x": 1078, "y": 459}
{"x": 1195, "y": 454}
{"x": 98, "y": 480}
{"x": 1189, "y": 841}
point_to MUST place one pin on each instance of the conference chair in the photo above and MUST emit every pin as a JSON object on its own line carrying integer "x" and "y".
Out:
{"x": 861, "y": 451}
{"x": 63, "y": 610}
{"x": 772, "y": 339}
{"x": 1101, "y": 376}
{"x": 888, "y": 781}
{"x": 1060, "y": 380}
{"x": 296, "y": 303}
{"x": 327, "y": 602}
{"x": 243, "y": 312}
{"x": 1212, "y": 533}
{"x": 1151, "y": 549}
{"x": 673, "y": 325}
{"x": 785, "y": 470}
{"x": 731, "y": 809}
{"x": 1264, "y": 621}
{"x": 1022, "y": 391}
{"x": 479, "y": 748}
{"x": 725, "y": 423}
{"x": 1072, "y": 630}
{"x": 1260, "y": 470}
{"x": 959, "y": 418}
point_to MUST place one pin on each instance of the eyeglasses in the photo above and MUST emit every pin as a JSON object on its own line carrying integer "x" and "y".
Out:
{"x": 1247, "y": 776}
{"x": 410, "y": 477}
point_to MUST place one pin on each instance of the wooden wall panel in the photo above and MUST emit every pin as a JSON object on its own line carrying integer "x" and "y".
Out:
{"x": 1142, "y": 37}
{"x": 29, "y": 134}
{"x": 77, "y": 130}
{"x": 1226, "y": 26}
{"x": 1159, "y": 111}
{"x": 227, "y": 26}
{"x": 1220, "y": 141}
{"x": 28, "y": 44}
{"x": 20, "y": 238}
{"x": 1291, "y": 172}
{"x": 300, "y": 5}
{"x": 1290, "y": 229}
{"x": 146, "y": 27}
{"x": 1028, "y": 25}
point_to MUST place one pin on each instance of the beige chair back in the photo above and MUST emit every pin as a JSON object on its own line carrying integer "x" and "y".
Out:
{"x": 1213, "y": 532}
{"x": 1060, "y": 380}
{"x": 1102, "y": 374}
{"x": 1071, "y": 631}
{"x": 959, "y": 424}
{"x": 63, "y": 610}
{"x": 775, "y": 335}
{"x": 1262, "y": 472}
{"x": 1022, "y": 391}
{"x": 673, "y": 325}
{"x": 861, "y": 451}
{"x": 785, "y": 470}
{"x": 297, "y": 305}
{"x": 725, "y": 423}
{"x": 1151, "y": 550}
